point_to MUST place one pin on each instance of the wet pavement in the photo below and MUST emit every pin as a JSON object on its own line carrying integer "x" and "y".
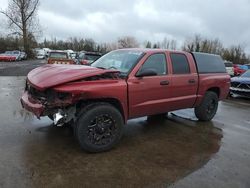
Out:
{"x": 177, "y": 152}
{"x": 19, "y": 68}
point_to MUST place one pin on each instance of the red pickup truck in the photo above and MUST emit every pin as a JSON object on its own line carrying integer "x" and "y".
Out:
{"x": 124, "y": 84}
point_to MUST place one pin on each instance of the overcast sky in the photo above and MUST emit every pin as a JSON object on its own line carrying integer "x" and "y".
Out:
{"x": 106, "y": 20}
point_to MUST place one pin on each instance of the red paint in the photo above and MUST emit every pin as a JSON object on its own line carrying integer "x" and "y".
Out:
{"x": 32, "y": 105}
{"x": 7, "y": 58}
{"x": 84, "y": 62}
{"x": 238, "y": 70}
{"x": 137, "y": 96}
{"x": 48, "y": 76}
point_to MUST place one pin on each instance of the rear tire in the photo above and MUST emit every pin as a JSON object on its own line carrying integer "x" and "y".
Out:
{"x": 99, "y": 127}
{"x": 208, "y": 107}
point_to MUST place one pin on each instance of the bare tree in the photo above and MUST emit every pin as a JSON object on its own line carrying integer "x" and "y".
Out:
{"x": 127, "y": 42}
{"x": 199, "y": 44}
{"x": 21, "y": 15}
{"x": 169, "y": 44}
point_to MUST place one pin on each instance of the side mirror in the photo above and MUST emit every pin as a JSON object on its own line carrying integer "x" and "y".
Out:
{"x": 146, "y": 72}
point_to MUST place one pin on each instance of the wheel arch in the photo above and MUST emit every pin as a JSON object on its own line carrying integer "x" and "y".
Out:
{"x": 112, "y": 101}
{"x": 215, "y": 90}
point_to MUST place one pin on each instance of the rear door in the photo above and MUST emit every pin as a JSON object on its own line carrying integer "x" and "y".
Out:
{"x": 149, "y": 94}
{"x": 184, "y": 81}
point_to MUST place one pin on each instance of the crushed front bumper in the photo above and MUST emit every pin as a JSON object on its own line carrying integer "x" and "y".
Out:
{"x": 32, "y": 105}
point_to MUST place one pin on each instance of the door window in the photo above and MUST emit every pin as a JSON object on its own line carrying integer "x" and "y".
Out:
{"x": 157, "y": 63}
{"x": 180, "y": 64}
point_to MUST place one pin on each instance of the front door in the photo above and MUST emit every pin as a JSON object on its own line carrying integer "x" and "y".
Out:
{"x": 149, "y": 95}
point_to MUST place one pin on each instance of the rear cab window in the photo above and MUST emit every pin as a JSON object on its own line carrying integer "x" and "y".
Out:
{"x": 58, "y": 55}
{"x": 180, "y": 64}
{"x": 209, "y": 63}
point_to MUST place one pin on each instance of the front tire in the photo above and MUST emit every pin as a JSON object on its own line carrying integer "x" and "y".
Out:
{"x": 99, "y": 127}
{"x": 208, "y": 107}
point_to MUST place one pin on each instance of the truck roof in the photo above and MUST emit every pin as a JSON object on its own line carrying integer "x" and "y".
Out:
{"x": 152, "y": 50}
{"x": 205, "y": 62}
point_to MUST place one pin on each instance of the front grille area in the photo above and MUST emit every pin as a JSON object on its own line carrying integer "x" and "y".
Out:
{"x": 244, "y": 86}
{"x": 240, "y": 85}
{"x": 47, "y": 95}
{"x": 235, "y": 84}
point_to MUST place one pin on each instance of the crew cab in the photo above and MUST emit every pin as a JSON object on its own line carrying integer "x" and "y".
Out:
{"x": 98, "y": 100}
{"x": 59, "y": 57}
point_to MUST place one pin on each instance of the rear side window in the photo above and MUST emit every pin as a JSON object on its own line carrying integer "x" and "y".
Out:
{"x": 58, "y": 55}
{"x": 179, "y": 63}
{"x": 156, "y": 62}
{"x": 209, "y": 63}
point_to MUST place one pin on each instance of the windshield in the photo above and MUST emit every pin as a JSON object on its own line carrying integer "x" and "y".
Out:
{"x": 16, "y": 52}
{"x": 58, "y": 55}
{"x": 122, "y": 60}
{"x": 246, "y": 74}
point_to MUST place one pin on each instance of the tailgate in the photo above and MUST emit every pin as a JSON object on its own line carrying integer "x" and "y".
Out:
{"x": 60, "y": 61}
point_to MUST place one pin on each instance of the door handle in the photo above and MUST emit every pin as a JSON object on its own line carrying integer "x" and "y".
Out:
{"x": 191, "y": 81}
{"x": 164, "y": 83}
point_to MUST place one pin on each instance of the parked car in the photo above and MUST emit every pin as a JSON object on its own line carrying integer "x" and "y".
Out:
{"x": 59, "y": 57}
{"x": 239, "y": 69}
{"x": 23, "y": 56}
{"x": 8, "y": 56}
{"x": 241, "y": 85}
{"x": 17, "y": 54}
{"x": 229, "y": 68}
{"x": 40, "y": 54}
{"x": 248, "y": 66}
{"x": 124, "y": 84}
{"x": 73, "y": 55}
{"x": 86, "y": 58}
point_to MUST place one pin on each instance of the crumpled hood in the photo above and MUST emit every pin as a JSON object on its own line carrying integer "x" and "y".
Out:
{"x": 52, "y": 75}
{"x": 243, "y": 80}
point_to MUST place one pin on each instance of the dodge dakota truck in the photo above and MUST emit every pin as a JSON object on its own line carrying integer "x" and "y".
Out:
{"x": 98, "y": 100}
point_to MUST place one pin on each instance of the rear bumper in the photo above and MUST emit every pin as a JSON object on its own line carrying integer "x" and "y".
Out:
{"x": 32, "y": 105}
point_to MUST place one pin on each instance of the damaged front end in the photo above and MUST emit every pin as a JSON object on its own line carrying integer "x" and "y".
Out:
{"x": 55, "y": 90}
{"x": 58, "y": 106}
